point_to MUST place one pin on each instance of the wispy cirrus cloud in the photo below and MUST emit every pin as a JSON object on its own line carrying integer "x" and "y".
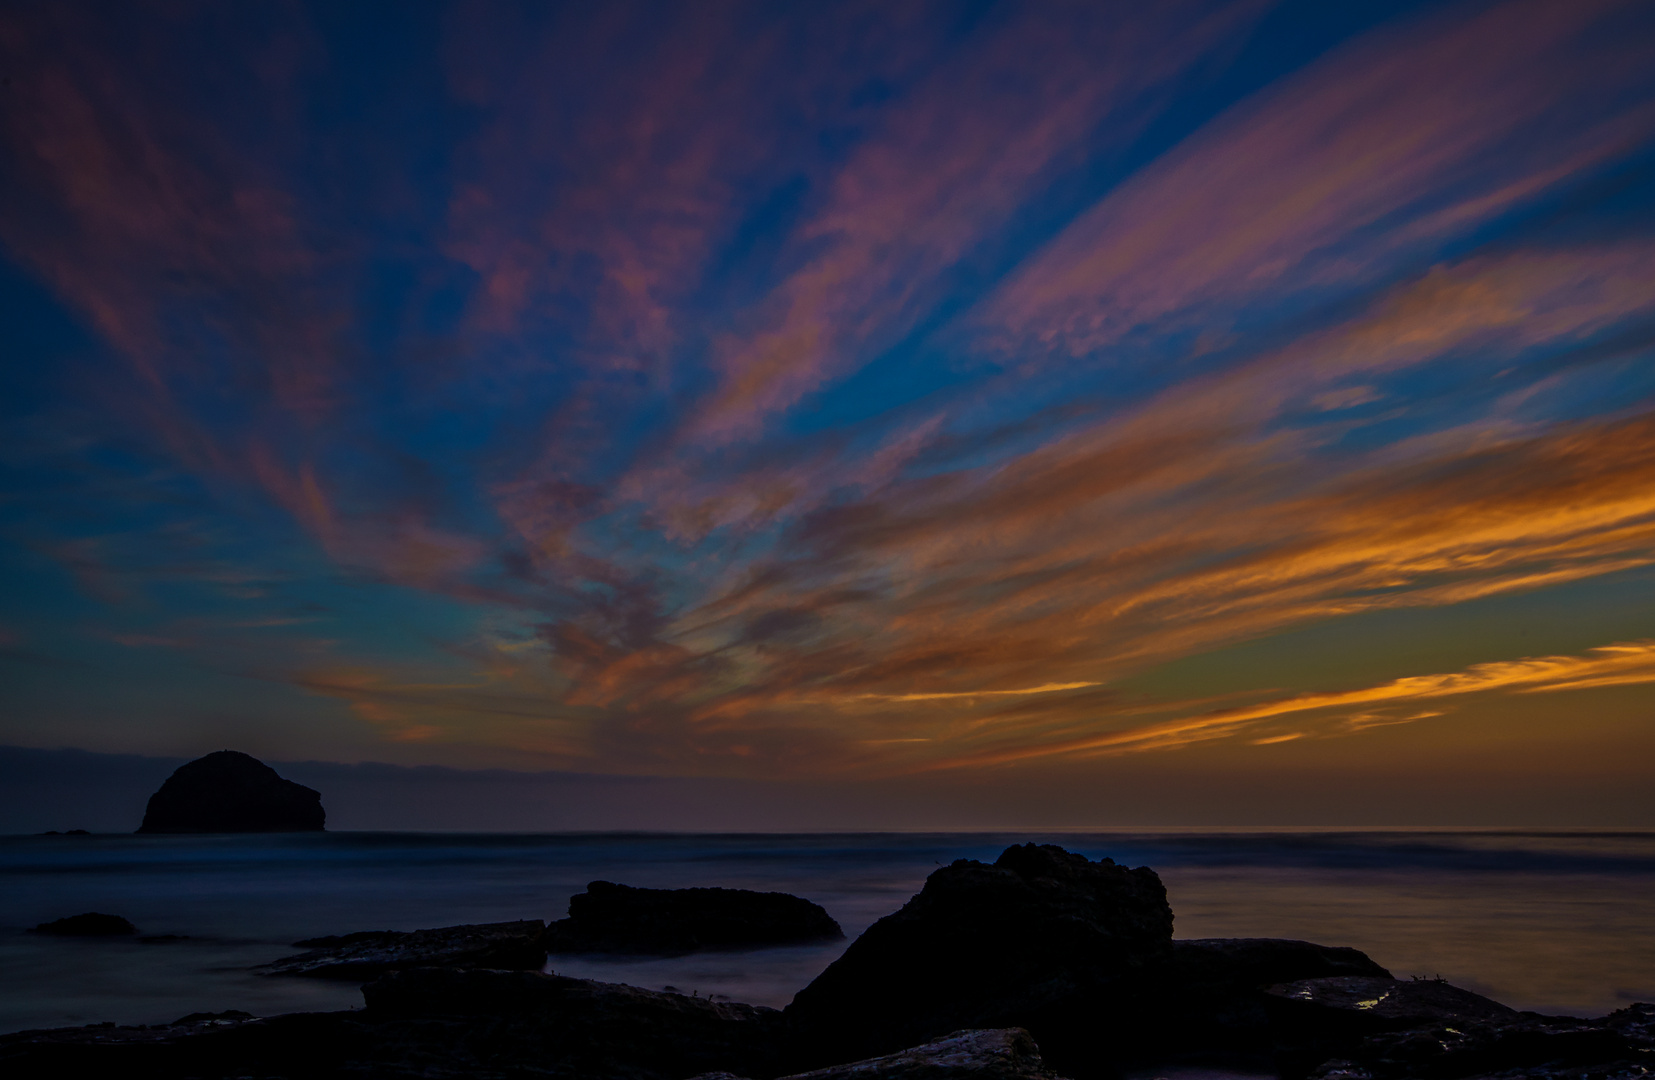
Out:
{"x": 1333, "y": 177}
{"x": 1621, "y": 664}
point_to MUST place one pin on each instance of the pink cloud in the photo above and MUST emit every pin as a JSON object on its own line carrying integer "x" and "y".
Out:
{"x": 1378, "y": 151}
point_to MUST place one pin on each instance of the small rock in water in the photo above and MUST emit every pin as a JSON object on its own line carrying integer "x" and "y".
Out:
{"x": 610, "y": 918}
{"x": 231, "y": 792}
{"x": 508, "y": 946}
{"x": 91, "y": 924}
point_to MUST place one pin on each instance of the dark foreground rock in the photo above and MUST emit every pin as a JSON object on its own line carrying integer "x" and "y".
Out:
{"x": 993, "y": 1054}
{"x": 1044, "y": 940}
{"x": 1357, "y": 1027}
{"x": 1314, "y": 1020}
{"x": 1619, "y": 1046}
{"x": 230, "y": 792}
{"x": 91, "y": 924}
{"x": 1209, "y": 1004}
{"x": 509, "y": 946}
{"x": 610, "y": 918}
{"x": 428, "y": 1023}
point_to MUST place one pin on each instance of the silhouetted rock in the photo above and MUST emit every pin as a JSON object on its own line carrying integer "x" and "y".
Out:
{"x": 508, "y": 946}
{"x": 1044, "y": 939}
{"x": 610, "y": 918}
{"x": 1318, "y": 1019}
{"x": 1209, "y": 1002}
{"x": 70, "y": 832}
{"x": 1523, "y": 1045}
{"x": 91, "y": 924}
{"x": 992, "y": 1054}
{"x": 230, "y": 792}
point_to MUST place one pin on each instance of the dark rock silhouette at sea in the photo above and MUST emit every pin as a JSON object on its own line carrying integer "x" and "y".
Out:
{"x": 232, "y": 792}
{"x": 610, "y": 918}
{"x": 1081, "y": 949}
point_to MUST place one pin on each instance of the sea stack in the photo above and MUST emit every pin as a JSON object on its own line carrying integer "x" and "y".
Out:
{"x": 231, "y": 792}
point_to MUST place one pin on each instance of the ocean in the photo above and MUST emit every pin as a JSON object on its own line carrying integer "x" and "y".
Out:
{"x": 1555, "y": 921}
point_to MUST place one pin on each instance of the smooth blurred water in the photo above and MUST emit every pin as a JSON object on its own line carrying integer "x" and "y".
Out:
{"x": 1555, "y": 921}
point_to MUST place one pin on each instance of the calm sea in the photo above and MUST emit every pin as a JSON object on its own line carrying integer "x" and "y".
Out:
{"x": 1560, "y": 922}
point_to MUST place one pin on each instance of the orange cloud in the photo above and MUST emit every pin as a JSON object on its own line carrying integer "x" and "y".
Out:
{"x": 1619, "y": 664}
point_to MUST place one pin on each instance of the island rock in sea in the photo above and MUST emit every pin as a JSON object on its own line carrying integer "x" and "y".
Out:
{"x": 231, "y": 792}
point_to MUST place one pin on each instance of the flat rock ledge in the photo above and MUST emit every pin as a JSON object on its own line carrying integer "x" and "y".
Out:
{"x": 989, "y": 1054}
{"x": 506, "y": 946}
{"x": 622, "y": 919}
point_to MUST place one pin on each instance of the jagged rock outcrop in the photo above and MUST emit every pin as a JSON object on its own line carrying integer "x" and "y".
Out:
{"x": 610, "y": 918}
{"x": 231, "y": 792}
{"x": 1044, "y": 939}
{"x": 992, "y": 1054}
{"x": 91, "y": 924}
{"x": 507, "y": 946}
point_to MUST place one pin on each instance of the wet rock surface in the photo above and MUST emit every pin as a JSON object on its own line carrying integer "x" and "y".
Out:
{"x": 510, "y": 946}
{"x": 1382, "y": 1029}
{"x": 610, "y": 918}
{"x": 1210, "y": 1000}
{"x": 231, "y": 792}
{"x": 90, "y": 924}
{"x": 1044, "y": 939}
{"x": 992, "y": 1054}
{"x": 1313, "y": 1020}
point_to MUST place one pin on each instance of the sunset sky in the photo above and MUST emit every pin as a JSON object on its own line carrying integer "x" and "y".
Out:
{"x": 1016, "y": 397}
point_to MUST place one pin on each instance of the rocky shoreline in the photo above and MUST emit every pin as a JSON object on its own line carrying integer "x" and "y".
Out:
{"x": 1041, "y": 966}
